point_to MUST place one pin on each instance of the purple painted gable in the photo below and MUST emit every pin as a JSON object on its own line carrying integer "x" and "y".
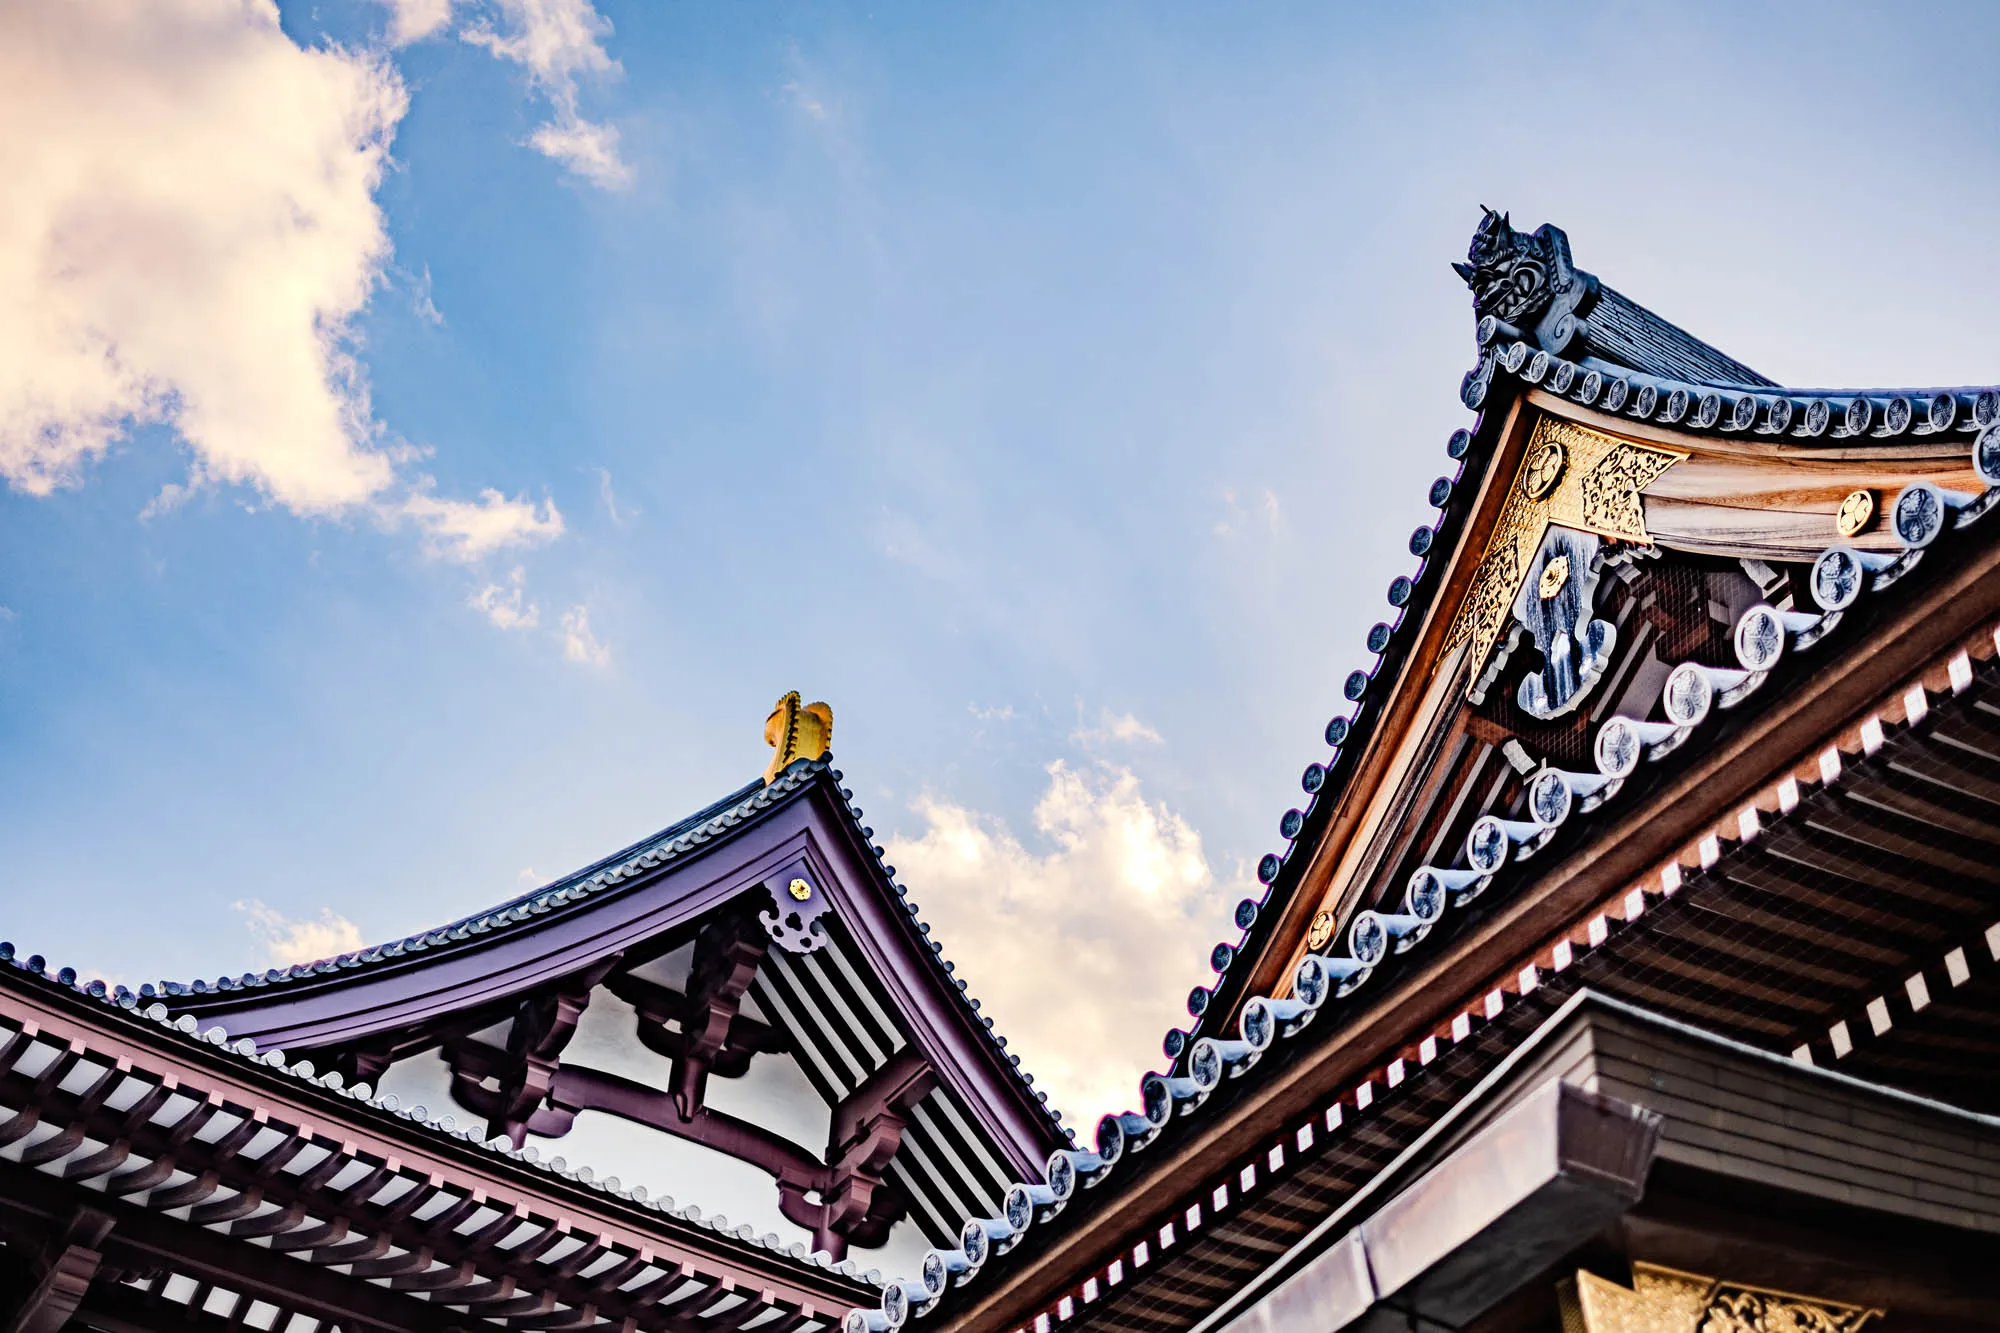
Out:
{"x": 774, "y": 892}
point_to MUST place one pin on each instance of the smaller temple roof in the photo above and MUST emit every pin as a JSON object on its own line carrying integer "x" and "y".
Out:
{"x": 764, "y": 928}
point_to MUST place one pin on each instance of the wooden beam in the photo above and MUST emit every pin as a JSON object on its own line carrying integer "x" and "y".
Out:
{"x": 68, "y": 1266}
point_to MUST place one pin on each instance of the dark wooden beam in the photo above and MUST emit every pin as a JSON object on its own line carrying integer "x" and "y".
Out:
{"x": 343, "y": 1134}
{"x": 68, "y": 1265}
{"x": 140, "y": 1240}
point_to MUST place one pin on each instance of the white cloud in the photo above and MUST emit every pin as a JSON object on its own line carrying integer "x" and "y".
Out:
{"x": 190, "y": 228}
{"x": 468, "y": 530}
{"x": 171, "y": 497}
{"x": 619, "y": 515}
{"x": 1083, "y": 952}
{"x": 805, "y": 101}
{"x": 1121, "y": 727}
{"x": 414, "y": 20}
{"x": 1260, "y": 512}
{"x": 421, "y": 304}
{"x": 558, "y": 42}
{"x": 579, "y": 644}
{"x": 288, "y": 942}
{"x": 587, "y": 148}
{"x": 507, "y": 606}
{"x": 996, "y": 713}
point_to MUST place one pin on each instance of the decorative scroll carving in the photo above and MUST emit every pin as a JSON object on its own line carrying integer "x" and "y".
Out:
{"x": 794, "y": 925}
{"x": 796, "y": 731}
{"x": 1664, "y": 1300}
{"x": 1579, "y": 479}
{"x": 1555, "y": 603}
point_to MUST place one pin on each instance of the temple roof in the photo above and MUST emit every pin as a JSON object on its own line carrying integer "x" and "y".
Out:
{"x": 164, "y": 1116}
{"x": 763, "y": 929}
{"x": 577, "y": 892}
{"x": 1735, "y": 480}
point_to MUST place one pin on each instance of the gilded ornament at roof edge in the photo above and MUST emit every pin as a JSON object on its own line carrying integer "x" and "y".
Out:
{"x": 1570, "y": 475}
{"x": 794, "y": 731}
{"x": 1664, "y": 1300}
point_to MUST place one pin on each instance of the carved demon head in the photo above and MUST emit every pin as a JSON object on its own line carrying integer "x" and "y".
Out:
{"x": 1507, "y": 270}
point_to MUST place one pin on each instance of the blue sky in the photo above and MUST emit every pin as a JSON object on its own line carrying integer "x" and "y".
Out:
{"x": 1040, "y": 385}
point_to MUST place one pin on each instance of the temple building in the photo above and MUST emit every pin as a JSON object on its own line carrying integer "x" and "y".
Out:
{"x": 1632, "y": 963}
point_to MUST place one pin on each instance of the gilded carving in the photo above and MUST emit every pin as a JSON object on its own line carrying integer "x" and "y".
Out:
{"x": 1555, "y": 576}
{"x": 1664, "y": 1300}
{"x": 1571, "y": 476}
{"x": 1855, "y": 511}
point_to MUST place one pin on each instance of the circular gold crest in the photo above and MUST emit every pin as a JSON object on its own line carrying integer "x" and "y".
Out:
{"x": 799, "y": 889}
{"x": 1544, "y": 469}
{"x": 1554, "y": 575}
{"x": 1855, "y": 511}
{"x": 1320, "y": 931}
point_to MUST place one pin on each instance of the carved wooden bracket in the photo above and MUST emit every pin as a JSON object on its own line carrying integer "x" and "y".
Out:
{"x": 727, "y": 954}
{"x": 544, "y": 1022}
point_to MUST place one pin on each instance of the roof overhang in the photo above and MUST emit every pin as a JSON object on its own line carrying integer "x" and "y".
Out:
{"x": 1552, "y": 1154}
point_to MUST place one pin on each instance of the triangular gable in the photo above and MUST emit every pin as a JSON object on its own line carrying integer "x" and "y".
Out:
{"x": 1612, "y": 520}
{"x": 744, "y": 999}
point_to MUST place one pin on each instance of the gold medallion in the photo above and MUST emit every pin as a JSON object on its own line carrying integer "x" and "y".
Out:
{"x": 1855, "y": 511}
{"x": 799, "y": 889}
{"x": 1544, "y": 468}
{"x": 1555, "y": 575}
{"x": 1320, "y": 932}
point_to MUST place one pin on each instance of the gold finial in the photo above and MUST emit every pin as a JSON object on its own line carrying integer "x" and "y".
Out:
{"x": 796, "y": 731}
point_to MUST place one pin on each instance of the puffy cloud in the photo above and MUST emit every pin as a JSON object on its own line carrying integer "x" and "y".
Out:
{"x": 586, "y": 148}
{"x": 1112, "y": 726}
{"x": 189, "y": 229}
{"x": 469, "y": 530}
{"x": 559, "y": 42}
{"x": 414, "y": 20}
{"x": 507, "y": 606}
{"x": 1082, "y": 949}
{"x": 579, "y": 644}
{"x": 287, "y": 942}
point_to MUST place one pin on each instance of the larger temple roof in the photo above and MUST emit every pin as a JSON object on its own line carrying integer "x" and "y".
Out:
{"x": 1688, "y": 663}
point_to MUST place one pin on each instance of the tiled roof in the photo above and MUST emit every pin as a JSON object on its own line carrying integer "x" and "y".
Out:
{"x": 423, "y": 1120}
{"x": 572, "y": 892}
{"x": 1695, "y": 693}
